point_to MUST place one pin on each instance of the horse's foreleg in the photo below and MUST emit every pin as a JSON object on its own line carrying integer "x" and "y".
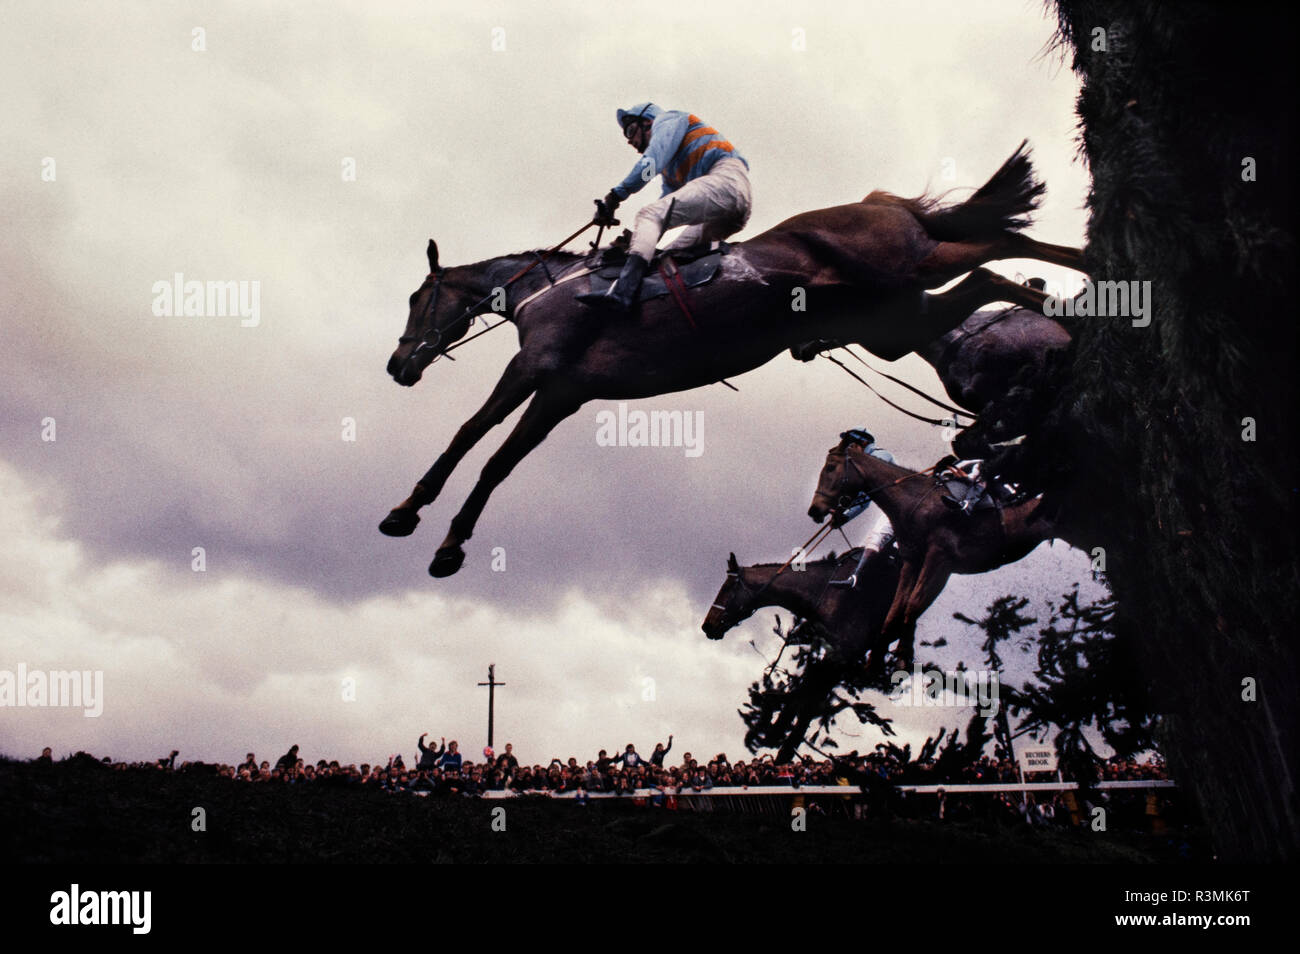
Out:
{"x": 546, "y": 410}
{"x": 906, "y": 578}
{"x": 906, "y": 645}
{"x": 981, "y": 287}
{"x": 943, "y": 312}
{"x": 510, "y": 391}
{"x": 929, "y": 583}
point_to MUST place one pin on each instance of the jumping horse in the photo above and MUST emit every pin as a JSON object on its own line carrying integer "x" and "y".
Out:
{"x": 856, "y": 273}
{"x": 934, "y": 540}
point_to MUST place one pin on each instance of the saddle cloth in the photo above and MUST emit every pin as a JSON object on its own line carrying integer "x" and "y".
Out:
{"x": 697, "y": 266}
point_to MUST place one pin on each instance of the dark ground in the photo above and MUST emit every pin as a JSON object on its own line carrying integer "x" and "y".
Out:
{"x": 72, "y": 812}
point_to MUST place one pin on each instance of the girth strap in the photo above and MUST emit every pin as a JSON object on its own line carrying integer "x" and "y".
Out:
{"x": 673, "y": 282}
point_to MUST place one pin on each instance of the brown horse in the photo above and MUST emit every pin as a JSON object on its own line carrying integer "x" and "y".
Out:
{"x": 854, "y": 272}
{"x": 853, "y": 615}
{"x": 934, "y": 540}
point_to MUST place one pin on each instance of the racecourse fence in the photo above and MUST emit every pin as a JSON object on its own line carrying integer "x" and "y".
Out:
{"x": 781, "y": 800}
{"x": 844, "y": 791}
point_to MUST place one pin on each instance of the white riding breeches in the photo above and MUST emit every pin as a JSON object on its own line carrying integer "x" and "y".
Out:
{"x": 714, "y": 206}
{"x": 881, "y": 534}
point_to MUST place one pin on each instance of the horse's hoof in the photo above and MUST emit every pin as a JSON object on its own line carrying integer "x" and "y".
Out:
{"x": 446, "y": 561}
{"x": 399, "y": 523}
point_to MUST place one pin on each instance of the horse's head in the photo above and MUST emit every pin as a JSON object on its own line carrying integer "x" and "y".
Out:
{"x": 833, "y": 494}
{"x": 441, "y": 312}
{"x": 733, "y": 604}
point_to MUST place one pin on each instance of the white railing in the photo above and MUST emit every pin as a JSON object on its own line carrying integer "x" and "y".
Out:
{"x": 842, "y": 790}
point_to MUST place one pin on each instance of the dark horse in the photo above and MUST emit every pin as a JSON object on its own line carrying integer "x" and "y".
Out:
{"x": 853, "y": 272}
{"x": 983, "y": 356}
{"x": 852, "y": 616}
{"x": 934, "y": 540}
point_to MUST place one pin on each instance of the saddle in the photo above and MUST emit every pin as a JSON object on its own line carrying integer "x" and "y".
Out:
{"x": 697, "y": 265}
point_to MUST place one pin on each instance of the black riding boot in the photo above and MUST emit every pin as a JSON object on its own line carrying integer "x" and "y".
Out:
{"x": 622, "y": 294}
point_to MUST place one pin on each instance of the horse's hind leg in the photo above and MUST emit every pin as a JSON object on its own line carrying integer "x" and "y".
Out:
{"x": 547, "y": 409}
{"x": 1022, "y": 246}
{"x": 949, "y": 259}
{"x": 510, "y": 391}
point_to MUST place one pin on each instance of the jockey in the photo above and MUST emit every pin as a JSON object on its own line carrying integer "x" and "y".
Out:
{"x": 705, "y": 187}
{"x": 881, "y": 534}
{"x": 973, "y": 485}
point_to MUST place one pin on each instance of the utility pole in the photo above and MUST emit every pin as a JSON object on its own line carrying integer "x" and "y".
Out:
{"x": 492, "y": 696}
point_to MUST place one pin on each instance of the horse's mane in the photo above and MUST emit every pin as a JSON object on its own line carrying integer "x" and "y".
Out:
{"x": 830, "y": 559}
{"x": 562, "y": 256}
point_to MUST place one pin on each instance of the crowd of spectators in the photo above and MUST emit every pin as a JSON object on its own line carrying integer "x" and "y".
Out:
{"x": 443, "y": 769}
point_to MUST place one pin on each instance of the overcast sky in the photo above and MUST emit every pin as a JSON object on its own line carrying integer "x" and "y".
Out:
{"x": 490, "y": 128}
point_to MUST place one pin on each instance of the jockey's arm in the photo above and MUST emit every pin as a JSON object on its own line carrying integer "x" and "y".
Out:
{"x": 665, "y": 136}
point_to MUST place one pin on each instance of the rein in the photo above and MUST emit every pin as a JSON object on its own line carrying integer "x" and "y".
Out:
{"x": 917, "y": 391}
{"x": 936, "y": 421}
{"x": 754, "y": 594}
{"x": 749, "y": 596}
{"x": 931, "y": 472}
{"x": 435, "y": 335}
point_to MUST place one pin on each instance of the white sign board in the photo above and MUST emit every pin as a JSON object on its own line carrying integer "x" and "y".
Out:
{"x": 1037, "y": 758}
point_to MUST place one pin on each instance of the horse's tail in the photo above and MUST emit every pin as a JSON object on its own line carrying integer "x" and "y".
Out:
{"x": 1002, "y": 204}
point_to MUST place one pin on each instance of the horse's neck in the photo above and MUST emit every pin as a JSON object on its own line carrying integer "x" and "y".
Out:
{"x": 882, "y": 480}
{"x": 795, "y": 590}
{"x": 498, "y": 271}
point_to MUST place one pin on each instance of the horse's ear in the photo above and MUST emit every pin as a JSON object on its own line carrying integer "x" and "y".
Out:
{"x": 732, "y": 565}
{"x": 433, "y": 255}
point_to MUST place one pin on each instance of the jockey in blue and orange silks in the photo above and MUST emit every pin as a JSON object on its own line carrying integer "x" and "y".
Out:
{"x": 705, "y": 187}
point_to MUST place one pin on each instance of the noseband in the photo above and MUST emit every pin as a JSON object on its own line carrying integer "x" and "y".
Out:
{"x": 844, "y": 500}
{"x": 434, "y": 338}
{"x": 748, "y": 594}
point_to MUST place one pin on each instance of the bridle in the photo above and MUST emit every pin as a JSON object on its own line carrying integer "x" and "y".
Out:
{"x": 433, "y": 338}
{"x": 752, "y": 594}
{"x": 844, "y": 500}
{"x": 842, "y": 449}
{"x": 749, "y": 594}
{"x": 430, "y": 313}
{"x": 744, "y": 606}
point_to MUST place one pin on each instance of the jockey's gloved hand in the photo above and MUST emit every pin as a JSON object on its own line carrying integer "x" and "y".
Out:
{"x": 605, "y": 209}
